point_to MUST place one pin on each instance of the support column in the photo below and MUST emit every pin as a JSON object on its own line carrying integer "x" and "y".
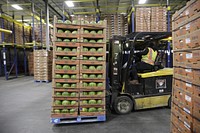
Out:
{"x": 133, "y": 17}
{"x": 33, "y": 24}
{"x": 41, "y": 30}
{"x": 169, "y": 62}
{"x": 15, "y": 50}
{"x": 97, "y": 12}
{"x": 47, "y": 24}
{"x": 24, "y": 49}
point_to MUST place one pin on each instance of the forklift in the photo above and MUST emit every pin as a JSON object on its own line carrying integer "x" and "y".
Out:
{"x": 154, "y": 86}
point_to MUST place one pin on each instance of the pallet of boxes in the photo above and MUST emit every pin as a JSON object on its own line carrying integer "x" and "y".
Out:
{"x": 30, "y": 63}
{"x": 42, "y": 66}
{"x": 78, "y": 72}
{"x": 185, "y": 116}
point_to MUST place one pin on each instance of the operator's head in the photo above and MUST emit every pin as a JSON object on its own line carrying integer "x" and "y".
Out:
{"x": 152, "y": 45}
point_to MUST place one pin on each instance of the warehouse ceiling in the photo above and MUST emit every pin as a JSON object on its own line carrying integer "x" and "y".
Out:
{"x": 81, "y": 6}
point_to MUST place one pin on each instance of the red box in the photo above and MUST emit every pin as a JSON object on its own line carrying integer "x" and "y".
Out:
{"x": 196, "y": 126}
{"x": 196, "y": 77}
{"x": 178, "y": 94}
{"x": 196, "y": 102}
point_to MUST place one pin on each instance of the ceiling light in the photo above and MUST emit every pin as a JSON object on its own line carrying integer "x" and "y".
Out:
{"x": 17, "y": 7}
{"x": 72, "y": 15}
{"x": 142, "y": 1}
{"x": 69, "y": 3}
{"x": 26, "y": 24}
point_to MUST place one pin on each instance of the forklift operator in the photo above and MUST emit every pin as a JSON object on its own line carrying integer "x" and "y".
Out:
{"x": 149, "y": 55}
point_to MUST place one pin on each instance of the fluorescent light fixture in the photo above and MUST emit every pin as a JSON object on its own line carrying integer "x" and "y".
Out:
{"x": 69, "y": 3}
{"x": 72, "y": 15}
{"x": 17, "y": 7}
{"x": 142, "y": 1}
{"x": 25, "y": 20}
{"x": 26, "y": 24}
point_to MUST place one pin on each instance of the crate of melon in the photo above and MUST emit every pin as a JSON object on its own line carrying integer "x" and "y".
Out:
{"x": 96, "y": 110}
{"x": 64, "y": 112}
{"x": 94, "y": 84}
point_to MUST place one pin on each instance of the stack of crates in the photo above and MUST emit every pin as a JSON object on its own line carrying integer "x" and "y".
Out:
{"x": 143, "y": 19}
{"x": 42, "y": 66}
{"x": 153, "y": 19}
{"x": 158, "y": 19}
{"x": 30, "y": 63}
{"x": 78, "y": 72}
{"x": 92, "y": 70}
{"x": 185, "y": 114}
{"x": 65, "y": 71}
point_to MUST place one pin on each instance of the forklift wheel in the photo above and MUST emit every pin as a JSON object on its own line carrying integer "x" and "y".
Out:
{"x": 123, "y": 105}
{"x": 169, "y": 102}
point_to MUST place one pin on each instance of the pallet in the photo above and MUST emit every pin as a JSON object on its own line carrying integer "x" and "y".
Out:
{"x": 79, "y": 119}
{"x": 42, "y": 81}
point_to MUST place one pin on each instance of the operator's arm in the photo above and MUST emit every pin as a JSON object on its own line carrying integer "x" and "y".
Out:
{"x": 143, "y": 52}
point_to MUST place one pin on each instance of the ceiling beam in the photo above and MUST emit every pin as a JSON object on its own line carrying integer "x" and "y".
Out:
{"x": 24, "y": 4}
{"x": 109, "y": 6}
{"x": 54, "y": 9}
{"x": 110, "y": 12}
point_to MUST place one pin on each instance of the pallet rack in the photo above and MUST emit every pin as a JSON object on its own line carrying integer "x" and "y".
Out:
{"x": 20, "y": 39}
{"x": 186, "y": 86}
{"x": 71, "y": 65}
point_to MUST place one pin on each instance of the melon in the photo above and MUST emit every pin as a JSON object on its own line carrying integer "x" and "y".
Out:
{"x": 66, "y": 76}
{"x": 92, "y": 50}
{"x": 58, "y": 67}
{"x": 57, "y": 111}
{"x": 92, "y": 102}
{"x": 65, "y": 102}
{"x": 68, "y": 22}
{"x": 58, "y": 76}
{"x": 58, "y": 102}
{"x": 65, "y": 111}
{"x": 66, "y": 40}
{"x": 66, "y": 85}
{"x": 67, "y": 31}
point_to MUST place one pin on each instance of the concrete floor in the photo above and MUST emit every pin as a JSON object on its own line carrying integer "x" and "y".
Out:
{"x": 25, "y": 108}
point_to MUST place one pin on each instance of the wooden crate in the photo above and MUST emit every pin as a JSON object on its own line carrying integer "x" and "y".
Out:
{"x": 196, "y": 102}
{"x": 69, "y": 82}
{"x": 67, "y": 26}
{"x": 94, "y": 26}
{"x": 82, "y": 93}
{"x": 82, "y": 104}
{"x": 65, "y": 98}
{"x": 66, "y": 90}
{"x": 103, "y": 112}
{"x": 64, "y": 115}
{"x": 66, "y": 44}
{"x": 196, "y": 126}
{"x": 66, "y": 62}
{"x": 83, "y": 81}
{"x": 68, "y": 35}
{"x": 180, "y": 125}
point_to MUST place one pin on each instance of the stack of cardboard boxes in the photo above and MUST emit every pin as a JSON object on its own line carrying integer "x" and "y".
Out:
{"x": 185, "y": 114}
{"x": 42, "y": 65}
{"x": 152, "y": 19}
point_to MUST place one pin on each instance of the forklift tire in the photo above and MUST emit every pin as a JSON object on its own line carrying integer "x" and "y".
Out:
{"x": 123, "y": 105}
{"x": 169, "y": 102}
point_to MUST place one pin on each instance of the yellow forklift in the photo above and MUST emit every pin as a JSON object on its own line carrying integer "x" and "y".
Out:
{"x": 154, "y": 86}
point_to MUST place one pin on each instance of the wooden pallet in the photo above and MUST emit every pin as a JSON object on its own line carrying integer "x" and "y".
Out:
{"x": 78, "y": 119}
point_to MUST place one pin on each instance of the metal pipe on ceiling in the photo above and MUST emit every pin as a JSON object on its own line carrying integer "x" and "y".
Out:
{"x": 53, "y": 9}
